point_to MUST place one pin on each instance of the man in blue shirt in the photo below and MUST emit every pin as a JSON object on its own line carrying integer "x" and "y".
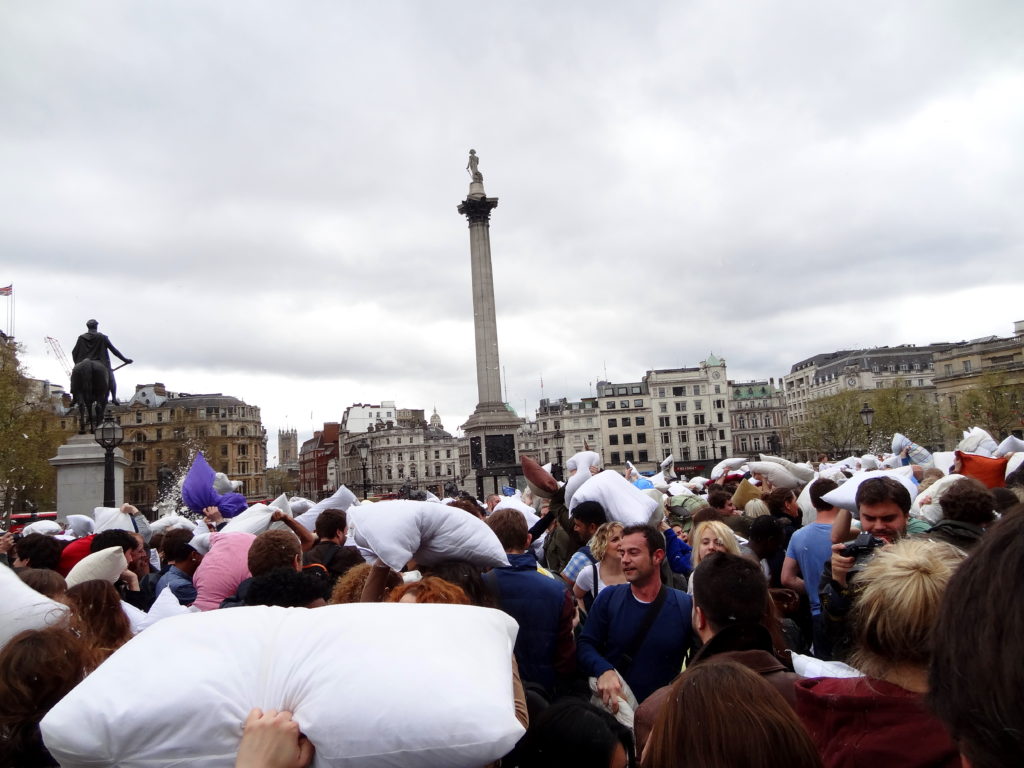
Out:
{"x": 586, "y": 519}
{"x": 809, "y": 550}
{"x": 183, "y": 564}
{"x": 622, "y": 637}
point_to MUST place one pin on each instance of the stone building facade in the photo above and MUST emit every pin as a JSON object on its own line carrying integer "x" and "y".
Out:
{"x": 163, "y": 430}
{"x": 624, "y": 413}
{"x": 567, "y": 427}
{"x": 757, "y": 411}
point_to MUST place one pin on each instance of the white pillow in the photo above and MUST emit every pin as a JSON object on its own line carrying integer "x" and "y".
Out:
{"x": 868, "y": 462}
{"x": 136, "y": 616}
{"x": 801, "y": 472}
{"x": 299, "y": 504}
{"x": 776, "y": 474}
{"x": 725, "y": 464}
{"x": 23, "y": 608}
{"x": 944, "y": 460}
{"x": 341, "y": 499}
{"x": 430, "y": 533}
{"x": 170, "y": 522}
{"x": 622, "y": 501}
{"x": 108, "y": 519}
{"x": 932, "y": 511}
{"x": 200, "y": 542}
{"x": 582, "y": 461}
{"x": 803, "y": 501}
{"x": 45, "y": 527}
{"x": 1015, "y": 461}
{"x": 368, "y": 704}
{"x": 511, "y": 502}
{"x": 1010, "y": 445}
{"x": 844, "y": 496}
{"x": 81, "y": 525}
{"x": 977, "y": 440}
{"x": 254, "y": 520}
{"x": 105, "y": 565}
{"x": 917, "y": 455}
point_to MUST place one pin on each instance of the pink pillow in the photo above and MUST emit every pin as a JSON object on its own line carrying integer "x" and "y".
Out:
{"x": 224, "y": 567}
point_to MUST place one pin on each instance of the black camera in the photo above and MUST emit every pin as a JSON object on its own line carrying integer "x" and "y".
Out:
{"x": 862, "y": 545}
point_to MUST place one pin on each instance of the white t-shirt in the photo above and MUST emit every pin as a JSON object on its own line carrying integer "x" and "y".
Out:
{"x": 585, "y": 580}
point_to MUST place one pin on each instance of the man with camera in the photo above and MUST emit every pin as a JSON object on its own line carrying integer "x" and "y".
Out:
{"x": 884, "y": 508}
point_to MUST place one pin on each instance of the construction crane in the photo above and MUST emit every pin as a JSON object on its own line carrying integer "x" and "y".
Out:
{"x": 58, "y": 352}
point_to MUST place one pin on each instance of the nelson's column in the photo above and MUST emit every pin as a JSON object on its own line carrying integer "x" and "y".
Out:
{"x": 491, "y": 429}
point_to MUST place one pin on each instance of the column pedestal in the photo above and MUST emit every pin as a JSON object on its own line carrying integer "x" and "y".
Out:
{"x": 79, "y": 465}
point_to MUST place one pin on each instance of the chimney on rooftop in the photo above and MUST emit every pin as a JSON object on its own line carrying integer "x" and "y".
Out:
{"x": 1018, "y": 328}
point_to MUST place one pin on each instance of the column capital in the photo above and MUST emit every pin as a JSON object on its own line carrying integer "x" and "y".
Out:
{"x": 478, "y": 209}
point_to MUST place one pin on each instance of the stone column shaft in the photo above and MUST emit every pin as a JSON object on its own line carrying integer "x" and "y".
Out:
{"x": 485, "y": 325}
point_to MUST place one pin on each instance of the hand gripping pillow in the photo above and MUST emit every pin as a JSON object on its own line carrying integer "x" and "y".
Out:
{"x": 105, "y": 565}
{"x": 254, "y": 520}
{"x": 359, "y": 691}
{"x": 430, "y": 533}
{"x": 582, "y": 461}
{"x": 23, "y": 608}
{"x": 1010, "y": 445}
{"x": 801, "y": 472}
{"x": 341, "y": 499}
{"x": 622, "y": 501}
{"x": 991, "y": 472}
{"x": 775, "y": 473}
{"x": 845, "y": 495}
{"x": 917, "y": 454}
{"x": 542, "y": 483}
{"x": 224, "y": 567}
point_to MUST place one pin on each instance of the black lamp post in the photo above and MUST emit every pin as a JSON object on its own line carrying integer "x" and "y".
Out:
{"x": 364, "y": 450}
{"x": 558, "y": 437}
{"x": 867, "y": 415}
{"x": 109, "y": 435}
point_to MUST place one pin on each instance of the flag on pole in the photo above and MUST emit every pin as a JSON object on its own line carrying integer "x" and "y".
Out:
{"x": 7, "y": 290}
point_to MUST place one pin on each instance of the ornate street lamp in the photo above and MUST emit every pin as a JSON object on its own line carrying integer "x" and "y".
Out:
{"x": 867, "y": 415}
{"x": 364, "y": 450}
{"x": 109, "y": 435}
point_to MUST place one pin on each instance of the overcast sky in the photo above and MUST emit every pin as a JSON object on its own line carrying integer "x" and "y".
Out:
{"x": 260, "y": 198}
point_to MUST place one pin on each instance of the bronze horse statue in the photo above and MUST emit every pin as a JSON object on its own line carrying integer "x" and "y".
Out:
{"x": 90, "y": 389}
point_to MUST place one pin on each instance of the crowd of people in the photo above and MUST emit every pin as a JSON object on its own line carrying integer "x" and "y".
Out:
{"x": 774, "y": 614}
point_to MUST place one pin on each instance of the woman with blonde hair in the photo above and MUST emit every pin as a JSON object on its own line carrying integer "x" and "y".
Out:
{"x": 712, "y": 536}
{"x": 604, "y": 546}
{"x": 755, "y": 508}
{"x": 897, "y": 605}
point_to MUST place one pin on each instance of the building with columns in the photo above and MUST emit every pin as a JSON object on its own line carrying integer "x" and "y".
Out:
{"x": 757, "y": 412}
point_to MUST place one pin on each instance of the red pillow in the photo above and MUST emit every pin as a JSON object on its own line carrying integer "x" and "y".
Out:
{"x": 541, "y": 482}
{"x": 991, "y": 472}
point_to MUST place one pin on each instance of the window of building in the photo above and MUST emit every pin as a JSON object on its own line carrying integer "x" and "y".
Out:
{"x": 698, "y": 405}
{"x": 743, "y": 444}
{"x": 680, "y": 405}
{"x": 719, "y": 403}
{"x": 610, "y": 405}
{"x": 721, "y": 417}
{"x": 920, "y": 382}
{"x": 139, "y": 455}
{"x": 700, "y": 435}
{"x": 623, "y": 403}
{"x": 243, "y": 450}
{"x": 613, "y": 422}
{"x": 615, "y": 457}
{"x": 664, "y": 421}
{"x": 450, "y": 469}
{"x": 742, "y": 422}
{"x": 967, "y": 366}
{"x": 949, "y": 369}
{"x": 666, "y": 437}
{"x": 678, "y": 391}
{"x": 662, "y": 407}
{"x": 635, "y": 390}
{"x": 686, "y": 454}
{"x": 627, "y": 421}
{"x": 681, "y": 435}
{"x": 223, "y": 430}
{"x": 628, "y": 456}
{"x": 640, "y": 421}
{"x": 641, "y": 456}
{"x": 718, "y": 389}
{"x": 638, "y": 403}
{"x": 698, "y": 418}
{"x": 138, "y": 417}
{"x": 641, "y": 437}
{"x": 661, "y": 391}
{"x": 613, "y": 439}
{"x": 682, "y": 421}
{"x": 696, "y": 389}
{"x": 702, "y": 452}
{"x": 401, "y": 472}
{"x": 627, "y": 439}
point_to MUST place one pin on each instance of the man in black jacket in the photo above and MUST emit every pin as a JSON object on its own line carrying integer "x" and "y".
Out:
{"x": 330, "y": 550}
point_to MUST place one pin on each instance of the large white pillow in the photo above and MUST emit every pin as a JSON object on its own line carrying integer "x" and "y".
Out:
{"x": 724, "y": 465}
{"x": 81, "y": 525}
{"x": 803, "y": 501}
{"x": 622, "y": 501}
{"x": 1015, "y": 461}
{"x": 45, "y": 527}
{"x": 582, "y": 462}
{"x": 254, "y": 520}
{"x": 1010, "y": 445}
{"x": 776, "y": 474}
{"x": 844, "y": 496}
{"x": 341, "y": 499}
{"x": 801, "y": 472}
{"x": 977, "y": 440}
{"x": 105, "y": 565}
{"x": 170, "y": 522}
{"x": 511, "y": 502}
{"x": 23, "y": 608}
{"x": 944, "y": 460}
{"x": 430, "y": 533}
{"x": 370, "y": 700}
{"x": 932, "y": 510}
{"x": 108, "y": 518}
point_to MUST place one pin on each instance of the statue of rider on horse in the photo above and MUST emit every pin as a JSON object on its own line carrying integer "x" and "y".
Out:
{"x": 92, "y": 379}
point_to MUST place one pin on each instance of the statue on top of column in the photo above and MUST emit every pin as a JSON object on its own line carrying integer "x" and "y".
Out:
{"x": 471, "y": 166}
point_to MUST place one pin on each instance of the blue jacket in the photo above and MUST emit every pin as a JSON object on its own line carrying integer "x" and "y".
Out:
{"x": 614, "y": 620}
{"x": 180, "y": 584}
{"x": 544, "y": 648}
